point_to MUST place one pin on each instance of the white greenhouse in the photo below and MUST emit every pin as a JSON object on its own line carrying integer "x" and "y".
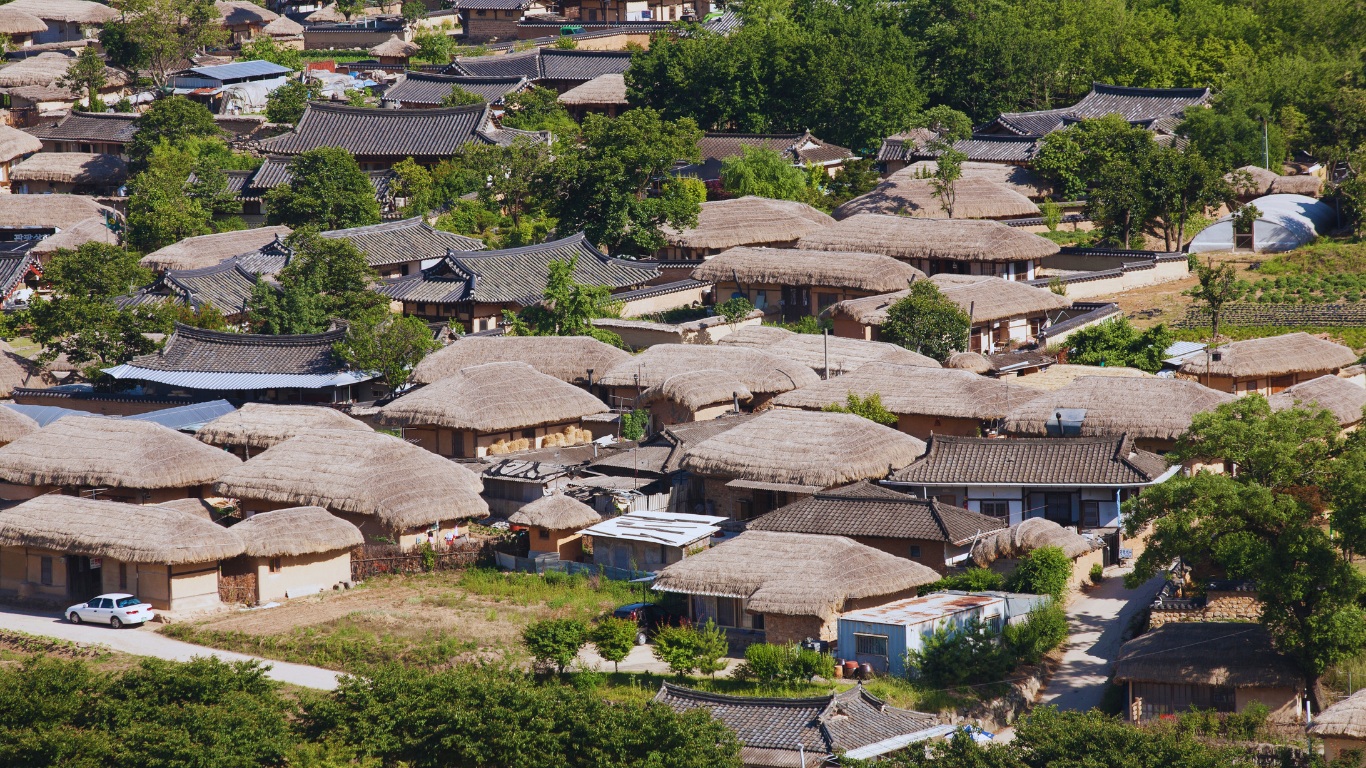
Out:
{"x": 1286, "y": 222}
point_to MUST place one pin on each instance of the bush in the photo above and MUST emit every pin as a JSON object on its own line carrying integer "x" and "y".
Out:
{"x": 614, "y": 638}
{"x": 633, "y": 424}
{"x": 965, "y": 656}
{"x": 971, "y": 580}
{"x": 784, "y": 664}
{"x": 1043, "y": 630}
{"x": 1097, "y": 573}
{"x": 555, "y": 641}
{"x": 1045, "y": 571}
{"x": 691, "y": 647}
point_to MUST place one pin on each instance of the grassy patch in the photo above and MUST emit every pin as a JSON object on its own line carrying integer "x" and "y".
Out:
{"x": 1077, "y": 237}
{"x": 641, "y": 686}
{"x": 586, "y": 595}
{"x": 1326, "y": 257}
{"x": 1347, "y": 676}
{"x": 1351, "y": 337}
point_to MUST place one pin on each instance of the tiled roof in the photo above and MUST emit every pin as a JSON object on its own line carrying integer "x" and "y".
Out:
{"x": 195, "y": 349}
{"x": 14, "y": 267}
{"x": 394, "y": 242}
{"x": 526, "y": 65}
{"x": 274, "y": 172}
{"x": 226, "y": 286}
{"x": 864, "y": 509}
{"x": 416, "y": 133}
{"x": 490, "y": 5}
{"x": 545, "y": 64}
{"x": 1109, "y": 460}
{"x": 1141, "y": 106}
{"x": 87, "y": 126}
{"x": 992, "y": 149}
{"x": 800, "y": 148}
{"x": 429, "y": 88}
{"x": 726, "y": 23}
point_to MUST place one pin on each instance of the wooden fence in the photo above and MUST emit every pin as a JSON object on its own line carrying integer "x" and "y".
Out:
{"x": 237, "y": 589}
{"x": 373, "y": 559}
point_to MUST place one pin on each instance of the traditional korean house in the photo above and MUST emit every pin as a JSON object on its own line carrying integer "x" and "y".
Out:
{"x": 1342, "y": 727}
{"x": 473, "y": 289}
{"x": 573, "y": 359}
{"x": 553, "y": 524}
{"x": 407, "y": 246}
{"x": 105, "y": 133}
{"x": 428, "y": 90}
{"x": 66, "y": 20}
{"x": 20, "y": 273}
{"x": 243, "y": 19}
{"x": 14, "y": 425}
{"x": 828, "y": 356}
{"x": 553, "y": 68}
{"x": 20, "y": 26}
{"x": 226, "y": 286}
{"x": 783, "y": 456}
{"x": 394, "y": 52}
{"x": 623, "y": 10}
{"x": 69, "y": 173}
{"x": 956, "y": 246}
{"x": 763, "y": 586}
{"x": 660, "y": 458}
{"x": 257, "y": 426}
{"x": 15, "y": 146}
{"x": 925, "y": 401}
{"x": 1060, "y": 375}
{"x": 793, "y": 283}
{"x": 493, "y": 408}
{"x": 752, "y": 221}
{"x": 45, "y": 223}
{"x": 294, "y": 552}
{"x": 1343, "y": 398}
{"x": 801, "y": 149}
{"x": 1002, "y": 549}
{"x": 1253, "y": 181}
{"x": 65, "y": 549}
{"x": 1268, "y": 365}
{"x": 695, "y": 396}
{"x": 603, "y": 95}
{"x": 974, "y": 197}
{"x": 245, "y": 367}
{"x": 925, "y": 530}
{"x": 484, "y": 20}
{"x": 392, "y": 490}
{"x": 210, "y": 251}
{"x": 115, "y": 459}
{"x": 764, "y": 374}
{"x": 648, "y": 541}
{"x": 36, "y": 82}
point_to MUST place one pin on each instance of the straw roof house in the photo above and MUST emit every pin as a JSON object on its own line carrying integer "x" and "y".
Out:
{"x": 258, "y": 426}
{"x": 1268, "y": 365}
{"x": 17, "y": 22}
{"x": 85, "y": 452}
{"x": 556, "y": 512}
{"x": 382, "y": 483}
{"x": 863, "y": 272}
{"x": 493, "y": 397}
{"x": 131, "y": 533}
{"x": 327, "y": 13}
{"x": 283, "y": 27}
{"x": 210, "y": 250}
{"x": 567, "y": 358}
{"x": 811, "y": 350}
{"x": 799, "y": 582}
{"x": 695, "y": 390}
{"x": 1016, "y": 177}
{"x": 972, "y": 362}
{"x": 763, "y": 373}
{"x": 1266, "y": 182}
{"x": 14, "y": 142}
{"x": 804, "y": 450}
{"x": 68, "y": 11}
{"x": 296, "y": 531}
{"x": 83, "y": 169}
{"x": 14, "y": 425}
{"x": 394, "y": 48}
{"x": 1055, "y": 377}
{"x": 243, "y": 13}
{"x": 1029, "y": 535}
{"x": 46, "y": 69}
{"x": 60, "y": 211}
{"x": 604, "y": 90}
{"x": 747, "y": 220}
{"x": 1341, "y": 397}
{"x": 975, "y": 198}
{"x": 1342, "y": 726}
{"x": 1153, "y": 410}
{"x": 988, "y": 298}
{"x": 91, "y": 230}
{"x": 909, "y": 239}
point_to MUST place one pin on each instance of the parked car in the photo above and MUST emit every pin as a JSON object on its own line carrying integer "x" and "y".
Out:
{"x": 648, "y": 616}
{"x": 115, "y": 609}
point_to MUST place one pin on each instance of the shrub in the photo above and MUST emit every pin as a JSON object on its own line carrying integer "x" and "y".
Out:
{"x": 1097, "y": 573}
{"x": 971, "y": 580}
{"x": 734, "y": 310}
{"x": 633, "y": 424}
{"x": 1045, "y": 571}
{"x": 1043, "y": 630}
{"x": 1052, "y": 214}
{"x": 785, "y": 664}
{"x": 690, "y": 647}
{"x": 555, "y": 641}
{"x": 964, "y": 657}
{"x": 614, "y": 638}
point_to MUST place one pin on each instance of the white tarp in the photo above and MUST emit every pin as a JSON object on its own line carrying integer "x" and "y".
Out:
{"x": 1286, "y": 222}
{"x": 248, "y": 98}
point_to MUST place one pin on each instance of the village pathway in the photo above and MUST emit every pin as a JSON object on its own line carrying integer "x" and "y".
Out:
{"x": 1098, "y": 619}
{"x": 144, "y": 641}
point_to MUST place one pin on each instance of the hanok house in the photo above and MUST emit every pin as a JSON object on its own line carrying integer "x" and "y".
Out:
{"x": 394, "y": 52}
{"x": 1269, "y": 365}
{"x": 45, "y": 223}
{"x": 902, "y": 194}
{"x": 783, "y": 732}
{"x": 1342, "y": 727}
{"x": 39, "y": 79}
{"x": 494, "y": 408}
{"x": 20, "y": 26}
{"x": 553, "y": 524}
{"x": 226, "y": 286}
{"x": 553, "y": 68}
{"x": 622, "y": 10}
{"x": 66, "y": 20}
{"x": 428, "y": 90}
{"x": 257, "y": 426}
{"x": 243, "y": 367}
{"x": 763, "y": 586}
{"x": 1223, "y": 666}
{"x": 392, "y": 490}
{"x": 397, "y": 248}
{"x": 104, "y": 133}
{"x": 293, "y": 552}
{"x": 794, "y": 283}
{"x": 494, "y": 19}
{"x": 473, "y": 289}
{"x": 749, "y": 220}
{"x": 783, "y": 456}
{"x": 14, "y": 425}
{"x": 648, "y": 541}
{"x": 1153, "y": 411}
{"x": 1340, "y": 397}
{"x": 765, "y": 375}
{"x": 69, "y": 173}
{"x": 212, "y": 250}
{"x": 603, "y": 95}
{"x": 695, "y": 396}
{"x": 800, "y": 149}
{"x": 1264, "y": 181}
{"x": 925, "y": 401}
{"x": 572, "y": 359}
{"x": 1060, "y": 375}
{"x": 925, "y": 530}
{"x": 826, "y": 355}
{"x": 956, "y": 246}
{"x": 63, "y": 549}
{"x": 243, "y": 19}
{"x": 116, "y": 459}
{"x": 15, "y": 146}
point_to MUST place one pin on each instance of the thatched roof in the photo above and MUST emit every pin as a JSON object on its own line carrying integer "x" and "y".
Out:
{"x": 258, "y": 426}
{"x": 493, "y": 397}
{"x": 14, "y": 425}
{"x": 557, "y": 512}
{"x": 283, "y": 27}
{"x": 365, "y": 473}
{"x": 902, "y": 237}
{"x": 17, "y": 21}
{"x": 975, "y": 198}
{"x": 70, "y": 11}
{"x": 810, "y": 349}
{"x": 46, "y": 69}
{"x": 85, "y": 231}
{"x": 194, "y": 506}
{"x": 804, "y": 448}
{"x": 118, "y": 453}
{"x": 296, "y": 531}
{"x": 394, "y": 48}
{"x": 973, "y": 362}
{"x": 749, "y": 220}
{"x": 327, "y": 13}
{"x": 909, "y": 390}
{"x": 1062, "y": 374}
{"x": 1147, "y": 407}
{"x": 1345, "y": 719}
{"x": 72, "y": 168}
{"x": 603, "y": 89}
{"x": 1341, "y": 397}
{"x": 1029, "y": 535}
{"x": 1018, "y": 178}
{"x": 788, "y": 266}
{"x": 132, "y": 533}
{"x": 60, "y": 211}
{"x": 1265, "y": 182}
{"x": 1234, "y": 654}
{"x": 763, "y": 373}
{"x": 696, "y": 390}
{"x": 235, "y": 12}
{"x": 14, "y": 142}
{"x": 986, "y": 298}
{"x": 567, "y": 358}
{"x": 794, "y": 574}
{"x": 1271, "y": 356}
{"x": 210, "y": 250}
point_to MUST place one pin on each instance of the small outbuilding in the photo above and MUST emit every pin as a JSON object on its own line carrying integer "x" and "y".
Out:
{"x": 14, "y": 425}
{"x": 764, "y": 374}
{"x": 604, "y": 95}
{"x": 394, "y": 51}
{"x": 695, "y": 396}
{"x": 881, "y": 637}
{"x": 73, "y": 173}
{"x": 1343, "y": 398}
{"x": 15, "y": 145}
{"x": 257, "y": 426}
{"x": 828, "y": 356}
{"x": 648, "y": 541}
{"x": 294, "y": 552}
{"x": 211, "y": 250}
{"x": 553, "y": 525}
{"x": 1342, "y": 727}
{"x": 743, "y": 221}
{"x": 1268, "y": 365}
{"x": 574, "y": 359}
{"x": 1285, "y": 222}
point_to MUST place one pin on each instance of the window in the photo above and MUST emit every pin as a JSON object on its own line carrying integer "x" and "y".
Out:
{"x": 123, "y": 575}
{"x": 727, "y": 613}
{"x": 761, "y": 299}
{"x": 947, "y": 498}
{"x": 275, "y": 565}
{"x": 824, "y": 300}
{"x": 870, "y": 645}
{"x": 542, "y": 533}
{"x": 1090, "y": 513}
{"x": 529, "y": 434}
{"x": 915, "y": 551}
{"x": 999, "y": 509}
{"x": 45, "y": 571}
{"x": 744, "y": 509}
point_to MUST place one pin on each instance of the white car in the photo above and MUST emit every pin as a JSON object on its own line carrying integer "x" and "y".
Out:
{"x": 115, "y": 609}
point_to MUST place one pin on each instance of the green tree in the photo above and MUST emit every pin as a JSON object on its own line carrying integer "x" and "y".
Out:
{"x": 634, "y": 424}
{"x": 161, "y": 211}
{"x": 538, "y": 109}
{"x": 413, "y": 184}
{"x": 601, "y": 184}
{"x": 948, "y": 124}
{"x": 1215, "y": 287}
{"x": 567, "y": 308}
{"x": 459, "y": 97}
{"x": 948, "y": 169}
{"x": 349, "y": 8}
{"x": 613, "y": 638}
{"x": 1231, "y": 135}
{"x": 413, "y": 11}
{"x": 555, "y": 641}
{"x": 927, "y": 322}
{"x": 1353, "y": 192}
{"x": 287, "y": 103}
{"x": 856, "y": 177}
{"x": 710, "y": 648}
{"x": 1180, "y": 184}
{"x": 86, "y": 76}
{"x": 264, "y": 48}
{"x": 691, "y": 647}
{"x": 435, "y": 47}
{"x": 174, "y": 120}
{"x": 1044, "y": 571}
{"x": 869, "y": 407}
{"x": 326, "y": 279}
{"x": 734, "y": 310}
{"x": 390, "y": 346}
{"x": 763, "y": 172}
{"x": 327, "y": 190}
{"x": 167, "y": 33}
{"x": 1073, "y": 159}
{"x": 1118, "y": 201}
{"x": 1118, "y": 343}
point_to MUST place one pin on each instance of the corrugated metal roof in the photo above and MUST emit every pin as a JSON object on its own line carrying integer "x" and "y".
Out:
{"x": 240, "y": 69}
{"x": 917, "y": 610}
{"x": 187, "y": 418}
{"x": 238, "y": 381}
{"x": 45, "y": 414}
{"x": 674, "y": 530}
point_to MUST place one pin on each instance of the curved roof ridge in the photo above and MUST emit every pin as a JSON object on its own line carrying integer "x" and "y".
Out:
{"x": 1137, "y": 89}
{"x": 683, "y": 691}
{"x": 328, "y": 106}
{"x": 284, "y": 340}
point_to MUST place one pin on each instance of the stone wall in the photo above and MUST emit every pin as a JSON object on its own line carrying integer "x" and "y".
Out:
{"x": 1242, "y": 605}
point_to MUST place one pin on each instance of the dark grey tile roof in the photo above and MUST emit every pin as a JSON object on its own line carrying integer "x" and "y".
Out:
{"x": 1106, "y": 460}
{"x": 274, "y": 172}
{"x": 1142, "y": 106}
{"x": 429, "y": 88}
{"x": 991, "y": 149}
{"x": 395, "y": 242}
{"x": 864, "y": 509}
{"x": 582, "y": 65}
{"x": 14, "y": 267}
{"x": 88, "y": 126}
{"x": 663, "y": 452}
{"x": 726, "y": 23}
{"x": 226, "y": 286}
{"x": 195, "y": 349}
{"x": 383, "y": 133}
{"x": 823, "y": 725}
{"x": 490, "y": 5}
{"x": 526, "y": 65}
{"x": 797, "y": 147}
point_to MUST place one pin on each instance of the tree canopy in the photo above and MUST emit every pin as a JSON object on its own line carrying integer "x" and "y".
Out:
{"x": 567, "y": 308}
{"x": 927, "y": 322}
{"x": 327, "y": 190}
{"x": 327, "y": 279}
{"x": 1117, "y": 343}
